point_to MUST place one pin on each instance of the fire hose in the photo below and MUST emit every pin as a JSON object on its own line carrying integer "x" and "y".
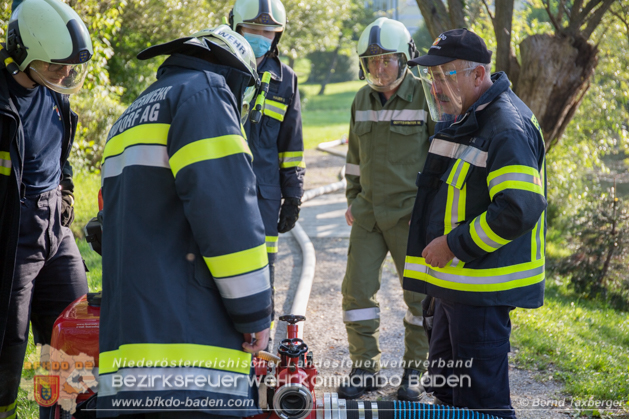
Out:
{"x": 294, "y": 398}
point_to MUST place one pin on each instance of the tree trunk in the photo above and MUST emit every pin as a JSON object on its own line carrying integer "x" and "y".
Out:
{"x": 335, "y": 57}
{"x": 291, "y": 61}
{"x": 554, "y": 77}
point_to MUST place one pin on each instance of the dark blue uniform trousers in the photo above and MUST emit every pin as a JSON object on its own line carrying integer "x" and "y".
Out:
{"x": 49, "y": 275}
{"x": 469, "y": 364}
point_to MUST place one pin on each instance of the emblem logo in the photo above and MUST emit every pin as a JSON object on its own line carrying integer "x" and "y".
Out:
{"x": 46, "y": 389}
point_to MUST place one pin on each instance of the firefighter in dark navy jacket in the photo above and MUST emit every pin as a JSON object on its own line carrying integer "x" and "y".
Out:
{"x": 478, "y": 228}
{"x": 276, "y": 142}
{"x": 185, "y": 268}
{"x": 41, "y": 270}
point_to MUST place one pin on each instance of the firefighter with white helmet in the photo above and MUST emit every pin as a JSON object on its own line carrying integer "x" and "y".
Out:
{"x": 185, "y": 270}
{"x": 276, "y": 142}
{"x": 44, "y": 60}
{"x": 388, "y": 143}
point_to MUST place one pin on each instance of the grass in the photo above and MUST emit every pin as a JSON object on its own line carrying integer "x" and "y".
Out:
{"x": 584, "y": 344}
{"x": 326, "y": 117}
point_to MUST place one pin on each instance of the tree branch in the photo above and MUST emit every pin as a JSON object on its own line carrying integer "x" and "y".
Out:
{"x": 491, "y": 16}
{"x": 550, "y": 15}
{"x": 575, "y": 16}
{"x": 595, "y": 19}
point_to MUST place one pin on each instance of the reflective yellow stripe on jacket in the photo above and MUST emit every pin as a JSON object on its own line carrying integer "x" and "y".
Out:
{"x": 271, "y": 244}
{"x": 275, "y": 110}
{"x": 9, "y": 411}
{"x": 514, "y": 177}
{"x": 144, "y": 145}
{"x": 172, "y": 355}
{"x": 476, "y": 280}
{"x": 292, "y": 159}
{"x": 5, "y": 163}
{"x": 208, "y": 149}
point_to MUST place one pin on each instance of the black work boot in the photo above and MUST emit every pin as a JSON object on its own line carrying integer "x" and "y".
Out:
{"x": 360, "y": 381}
{"x": 410, "y": 388}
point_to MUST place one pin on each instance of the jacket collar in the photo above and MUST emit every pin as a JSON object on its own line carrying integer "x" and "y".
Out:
{"x": 406, "y": 90}
{"x": 273, "y": 65}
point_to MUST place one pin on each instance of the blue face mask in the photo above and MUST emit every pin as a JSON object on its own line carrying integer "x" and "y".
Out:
{"x": 260, "y": 44}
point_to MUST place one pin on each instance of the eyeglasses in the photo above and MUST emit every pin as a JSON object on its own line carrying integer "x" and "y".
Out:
{"x": 442, "y": 77}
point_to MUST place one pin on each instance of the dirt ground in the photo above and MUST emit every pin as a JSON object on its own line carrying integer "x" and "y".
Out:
{"x": 324, "y": 330}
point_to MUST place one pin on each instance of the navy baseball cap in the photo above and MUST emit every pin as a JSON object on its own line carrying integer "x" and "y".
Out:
{"x": 456, "y": 44}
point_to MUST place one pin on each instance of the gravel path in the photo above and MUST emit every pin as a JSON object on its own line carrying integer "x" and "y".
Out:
{"x": 324, "y": 329}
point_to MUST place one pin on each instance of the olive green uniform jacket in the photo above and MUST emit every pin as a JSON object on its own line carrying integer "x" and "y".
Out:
{"x": 388, "y": 145}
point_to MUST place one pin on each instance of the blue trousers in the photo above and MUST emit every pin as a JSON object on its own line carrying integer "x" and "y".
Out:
{"x": 469, "y": 364}
{"x": 49, "y": 275}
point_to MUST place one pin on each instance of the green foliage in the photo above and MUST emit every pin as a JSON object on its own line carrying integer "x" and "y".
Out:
{"x": 422, "y": 38}
{"x": 346, "y": 67}
{"x": 599, "y": 239}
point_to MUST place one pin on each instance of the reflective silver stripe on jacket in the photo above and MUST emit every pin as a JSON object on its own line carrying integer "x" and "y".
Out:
{"x": 391, "y": 115}
{"x": 361, "y": 314}
{"x": 416, "y": 320}
{"x": 483, "y": 236}
{"x": 475, "y": 280}
{"x": 244, "y": 285}
{"x": 223, "y": 382}
{"x": 522, "y": 177}
{"x": 139, "y": 155}
{"x": 9, "y": 414}
{"x": 466, "y": 153}
{"x": 352, "y": 169}
{"x": 5, "y": 163}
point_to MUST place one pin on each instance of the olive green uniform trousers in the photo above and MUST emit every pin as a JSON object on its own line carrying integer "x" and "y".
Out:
{"x": 361, "y": 311}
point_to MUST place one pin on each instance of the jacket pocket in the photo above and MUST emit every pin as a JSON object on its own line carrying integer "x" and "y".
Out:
{"x": 272, "y": 192}
{"x": 404, "y": 145}
{"x": 202, "y": 273}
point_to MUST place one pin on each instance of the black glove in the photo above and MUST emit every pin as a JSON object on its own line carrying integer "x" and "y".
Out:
{"x": 94, "y": 233}
{"x": 289, "y": 214}
{"x": 67, "y": 208}
{"x": 67, "y": 201}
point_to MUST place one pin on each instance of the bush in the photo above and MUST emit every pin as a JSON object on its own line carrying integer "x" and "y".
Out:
{"x": 599, "y": 235}
{"x": 346, "y": 67}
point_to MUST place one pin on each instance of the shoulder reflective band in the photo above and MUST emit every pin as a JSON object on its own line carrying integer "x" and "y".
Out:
{"x": 361, "y": 314}
{"x": 467, "y": 153}
{"x": 208, "y": 149}
{"x": 174, "y": 354}
{"x": 275, "y": 110}
{"x": 144, "y": 145}
{"x": 290, "y": 159}
{"x": 476, "y": 280}
{"x": 271, "y": 244}
{"x": 352, "y": 169}
{"x": 524, "y": 178}
{"x": 5, "y": 163}
{"x": 389, "y": 115}
{"x": 483, "y": 235}
{"x": 141, "y": 134}
{"x": 238, "y": 263}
